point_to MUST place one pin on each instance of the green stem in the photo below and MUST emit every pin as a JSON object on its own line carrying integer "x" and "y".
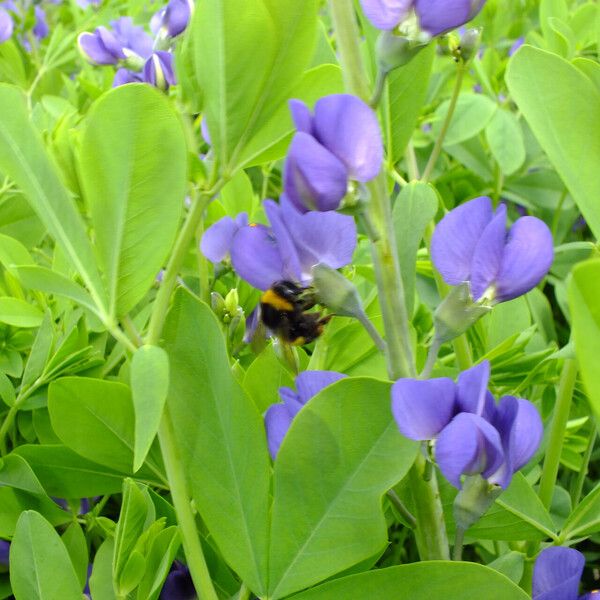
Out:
{"x": 557, "y": 431}
{"x": 437, "y": 149}
{"x": 185, "y": 518}
{"x": 401, "y": 508}
{"x": 379, "y": 87}
{"x": 411, "y": 163}
{"x": 370, "y": 329}
{"x": 432, "y": 540}
{"x": 432, "y": 355}
{"x": 459, "y": 539}
{"x": 583, "y": 471}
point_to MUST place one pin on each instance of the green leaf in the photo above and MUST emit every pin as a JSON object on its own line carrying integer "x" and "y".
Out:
{"x": 505, "y": 139}
{"x": 134, "y": 195}
{"x": 473, "y": 112}
{"x": 149, "y": 387}
{"x": 567, "y": 125}
{"x": 345, "y": 444}
{"x": 221, "y": 438}
{"x": 12, "y": 252}
{"x": 406, "y": 93}
{"x": 422, "y": 581}
{"x": 248, "y": 55}
{"x": 65, "y": 474}
{"x": 414, "y": 209}
{"x": 24, "y": 159}
{"x": 40, "y": 352}
{"x": 101, "y": 583}
{"x": 585, "y": 519}
{"x": 19, "y": 313}
{"x": 159, "y": 559}
{"x": 40, "y": 567}
{"x": 76, "y": 545}
{"x": 584, "y": 291}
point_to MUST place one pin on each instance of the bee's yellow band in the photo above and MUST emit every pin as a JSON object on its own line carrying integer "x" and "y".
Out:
{"x": 276, "y": 301}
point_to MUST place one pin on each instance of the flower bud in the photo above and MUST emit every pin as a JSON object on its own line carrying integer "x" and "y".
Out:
{"x": 158, "y": 70}
{"x": 394, "y": 51}
{"x": 474, "y": 500}
{"x": 469, "y": 44}
{"x": 217, "y": 304}
{"x": 335, "y": 292}
{"x": 231, "y": 301}
{"x": 457, "y": 313}
{"x": 40, "y": 29}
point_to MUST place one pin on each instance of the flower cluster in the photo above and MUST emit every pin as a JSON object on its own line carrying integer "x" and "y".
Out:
{"x": 288, "y": 249}
{"x": 341, "y": 141}
{"x": 9, "y": 9}
{"x": 473, "y": 435}
{"x": 279, "y": 417}
{"x": 471, "y": 244}
{"x": 435, "y": 17}
{"x": 139, "y": 57}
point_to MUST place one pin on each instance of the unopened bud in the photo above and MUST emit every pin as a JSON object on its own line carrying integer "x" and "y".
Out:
{"x": 469, "y": 44}
{"x": 457, "y": 313}
{"x": 217, "y": 304}
{"x": 394, "y": 51}
{"x": 474, "y": 500}
{"x": 232, "y": 301}
{"x": 335, "y": 292}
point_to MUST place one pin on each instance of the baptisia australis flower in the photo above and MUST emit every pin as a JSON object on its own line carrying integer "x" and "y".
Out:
{"x": 435, "y": 17}
{"x": 471, "y": 244}
{"x": 178, "y": 584}
{"x": 473, "y": 435}
{"x": 287, "y": 250}
{"x": 172, "y": 20}
{"x": 556, "y": 575}
{"x": 158, "y": 70}
{"x": 341, "y": 141}
{"x": 279, "y": 417}
{"x": 6, "y": 25}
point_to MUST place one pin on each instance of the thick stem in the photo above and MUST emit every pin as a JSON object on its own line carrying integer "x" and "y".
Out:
{"x": 557, "y": 431}
{"x": 432, "y": 540}
{"x": 459, "y": 539}
{"x": 437, "y": 148}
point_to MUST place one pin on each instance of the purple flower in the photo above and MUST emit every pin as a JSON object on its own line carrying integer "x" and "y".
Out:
{"x": 471, "y": 244}
{"x": 158, "y": 70}
{"x": 435, "y": 16}
{"x": 340, "y": 141}
{"x": 4, "y": 552}
{"x": 123, "y": 76}
{"x": 518, "y": 43}
{"x": 556, "y": 574}
{"x": 6, "y": 25}
{"x": 132, "y": 37}
{"x": 178, "y": 584}
{"x": 40, "y": 29}
{"x": 174, "y": 18}
{"x": 279, "y": 417}
{"x": 473, "y": 434}
{"x": 288, "y": 249}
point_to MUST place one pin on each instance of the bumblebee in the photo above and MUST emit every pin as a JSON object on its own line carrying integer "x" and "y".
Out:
{"x": 283, "y": 310}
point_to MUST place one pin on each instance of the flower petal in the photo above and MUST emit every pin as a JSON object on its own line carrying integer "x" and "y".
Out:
{"x": 310, "y": 383}
{"x": 469, "y": 445}
{"x": 4, "y": 552}
{"x": 217, "y": 239}
{"x": 348, "y": 128}
{"x": 487, "y": 258}
{"x": 7, "y": 26}
{"x": 455, "y": 238}
{"x": 472, "y": 388}
{"x": 527, "y": 258}
{"x": 301, "y": 116}
{"x": 178, "y": 584}
{"x": 320, "y": 237}
{"x": 255, "y": 256}
{"x": 556, "y": 574}
{"x": 277, "y": 422}
{"x": 438, "y": 16}
{"x": 91, "y": 45}
{"x": 385, "y": 14}
{"x": 313, "y": 178}
{"x": 288, "y": 250}
{"x": 423, "y": 408}
{"x": 176, "y": 17}
{"x": 291, "y": 400}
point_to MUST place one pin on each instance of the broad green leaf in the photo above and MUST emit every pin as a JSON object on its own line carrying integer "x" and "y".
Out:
{"x": 271, "y": 141}
{"x": 76, "y": 545}
{"x": 562, "y": 107}
{"x": 65, "y": 474}
{"x": 40, "y": 566}
{"x": 101, "y": 584}
{"x": 585, "y": 519}
{"x": 472, "y": 114}
{"x": 421, "y": 581}
{"x": 414, "y": 208}
{"x": 149, "y": 387}
{"x": 248, "y": 56}
{"x": 19, "y": 313}
{"x": 346, "y": 445}
{"x": 159, "y": 560}
{"x": 511, "y": 564}
{"x": 584, "y": 291}
{"x": 133, "y": 162}
{"x": 95, "y": 418}
{"x": 221, "y": 438}
{"x": 24, "y": 159}
{"x": 505, "y": 139}
{"x": 405, "y": 95}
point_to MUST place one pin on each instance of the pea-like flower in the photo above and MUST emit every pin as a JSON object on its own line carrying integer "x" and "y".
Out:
{"x": 279, "y": 417}
{"x": 288, "y": 249}
{"x": 557, "y": 573}
{"x": 6, "y": 25}
{"x": 173, "y": 18}
{"x": 178, "y": 584}
{"x": 40, "y": 28}
{"x": 471, "y": 244}
{"x": 158, "y": 70}
{"x": 435, "y": 16}
{"x": 340, "y": 141}
{"x": 4, "y": 552}
{"x": 473, "y": 435}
